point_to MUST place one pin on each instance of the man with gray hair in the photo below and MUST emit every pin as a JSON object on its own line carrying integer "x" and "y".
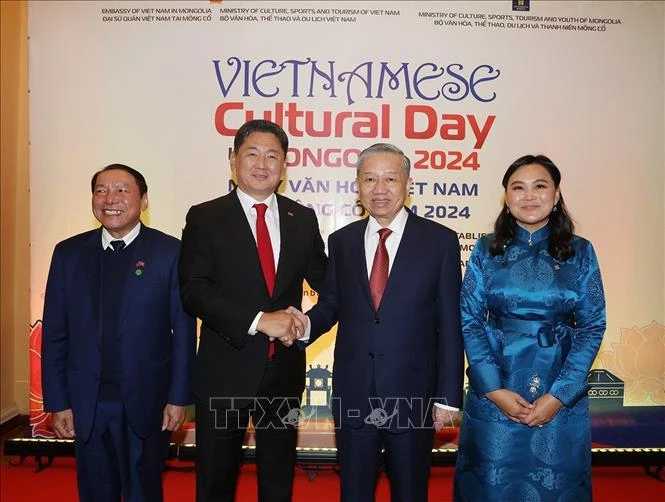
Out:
{"x": 393, "y": 283}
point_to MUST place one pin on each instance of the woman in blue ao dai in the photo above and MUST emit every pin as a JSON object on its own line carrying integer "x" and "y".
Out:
{"x": 533, "y": 316}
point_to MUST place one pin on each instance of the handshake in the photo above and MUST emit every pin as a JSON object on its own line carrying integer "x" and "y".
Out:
{"x": 287, "y": 325}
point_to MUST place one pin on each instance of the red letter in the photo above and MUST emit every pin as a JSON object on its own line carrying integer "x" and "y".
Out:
{"x": 409, "y": 123}
{"x": 219, "y": 118}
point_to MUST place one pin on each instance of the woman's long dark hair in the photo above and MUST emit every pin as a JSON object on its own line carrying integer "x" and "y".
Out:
{"x": 560, "y": 223}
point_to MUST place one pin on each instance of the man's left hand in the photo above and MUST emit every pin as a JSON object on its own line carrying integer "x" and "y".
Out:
{"x": 444, "y": 418}
{"x": 174, "y": 416}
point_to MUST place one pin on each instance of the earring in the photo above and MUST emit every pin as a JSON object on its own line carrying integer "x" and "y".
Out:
{"x": 507, "y": 210}
{"x": 555, "y": 209}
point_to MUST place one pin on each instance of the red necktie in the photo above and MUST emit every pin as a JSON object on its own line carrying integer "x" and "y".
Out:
{"x": 265, "y": 256}
{"x": 378, "y": 277}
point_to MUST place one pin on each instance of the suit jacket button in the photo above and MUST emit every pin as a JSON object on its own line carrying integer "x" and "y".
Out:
{"x": 377, "y": 320}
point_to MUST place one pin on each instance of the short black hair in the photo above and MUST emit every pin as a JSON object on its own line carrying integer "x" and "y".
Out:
{"x": 259, "y": 125}
{"x": 140, "y": 180}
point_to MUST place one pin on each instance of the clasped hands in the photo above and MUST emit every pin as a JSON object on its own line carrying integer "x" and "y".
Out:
{"x": 519, "y": 410}
{"x": 286, "y": 325}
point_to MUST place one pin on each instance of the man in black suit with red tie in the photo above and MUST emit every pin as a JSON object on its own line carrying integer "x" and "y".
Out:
{"x": 244, "y": 257}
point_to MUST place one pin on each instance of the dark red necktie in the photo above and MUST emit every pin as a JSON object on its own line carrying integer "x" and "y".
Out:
{"x": 378, "y": 277}
{"x": 266, "y": 257}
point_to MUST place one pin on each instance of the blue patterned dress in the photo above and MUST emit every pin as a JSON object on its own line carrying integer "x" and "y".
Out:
{"x": 532, "y": 325}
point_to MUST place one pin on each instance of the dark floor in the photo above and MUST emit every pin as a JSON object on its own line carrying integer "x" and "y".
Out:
{"x": 16, "y": 427}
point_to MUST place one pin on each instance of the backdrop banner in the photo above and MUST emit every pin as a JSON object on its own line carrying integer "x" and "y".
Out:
{"x": 464, "y": 88}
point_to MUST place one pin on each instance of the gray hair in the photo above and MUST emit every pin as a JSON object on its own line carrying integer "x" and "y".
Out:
{"x": 383, "y": 148}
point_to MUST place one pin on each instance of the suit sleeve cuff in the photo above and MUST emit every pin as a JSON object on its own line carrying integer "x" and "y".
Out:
{"x": 252, "y": 329}
{"x": 308, "y": 331}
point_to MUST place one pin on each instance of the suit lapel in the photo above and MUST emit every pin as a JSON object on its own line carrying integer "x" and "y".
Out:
{"x": 235, "y": 220}
{"x": 142, "y": 251}
{"x": 91, "y": 265}
{"x": 358, "y": 258}
{"x": 288, "y": 232}
{"x": 401, "y": 268}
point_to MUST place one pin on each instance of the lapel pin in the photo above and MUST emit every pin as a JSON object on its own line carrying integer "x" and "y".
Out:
{"x": 139, "y": 268}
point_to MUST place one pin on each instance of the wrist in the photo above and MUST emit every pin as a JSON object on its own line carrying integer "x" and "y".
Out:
{"x": 493, "y": 394}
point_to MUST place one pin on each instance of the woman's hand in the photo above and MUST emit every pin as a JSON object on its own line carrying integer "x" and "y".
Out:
{"x": 511, "y": 404}
{"x": 544, "y": 410}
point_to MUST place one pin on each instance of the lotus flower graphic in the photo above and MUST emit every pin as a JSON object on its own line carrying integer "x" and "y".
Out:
{"x": 639, "y": 360}
{"x": 40, "y": 421}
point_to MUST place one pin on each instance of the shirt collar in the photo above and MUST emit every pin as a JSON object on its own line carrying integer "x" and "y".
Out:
{"x": 128, "y": 239}
{"x": 248, "y": 202}
{"x": 397, "y": 225}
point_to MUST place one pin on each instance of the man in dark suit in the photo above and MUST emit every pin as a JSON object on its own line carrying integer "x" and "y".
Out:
{"x": 243, "y": 261}
{"x": 393, "y": 283}
{"x": 117, "y": 347}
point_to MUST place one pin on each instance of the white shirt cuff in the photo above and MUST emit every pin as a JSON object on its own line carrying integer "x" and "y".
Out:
{"x": 308, "y": 331}
{"x": 252, "y": 329}
{"x": 446, "y": 407}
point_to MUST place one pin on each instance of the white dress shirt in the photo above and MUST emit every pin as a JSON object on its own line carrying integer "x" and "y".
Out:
{"x": 392, "y": 241}
{"x": 128, "y": 239}
{"x": 272, "y": 222}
